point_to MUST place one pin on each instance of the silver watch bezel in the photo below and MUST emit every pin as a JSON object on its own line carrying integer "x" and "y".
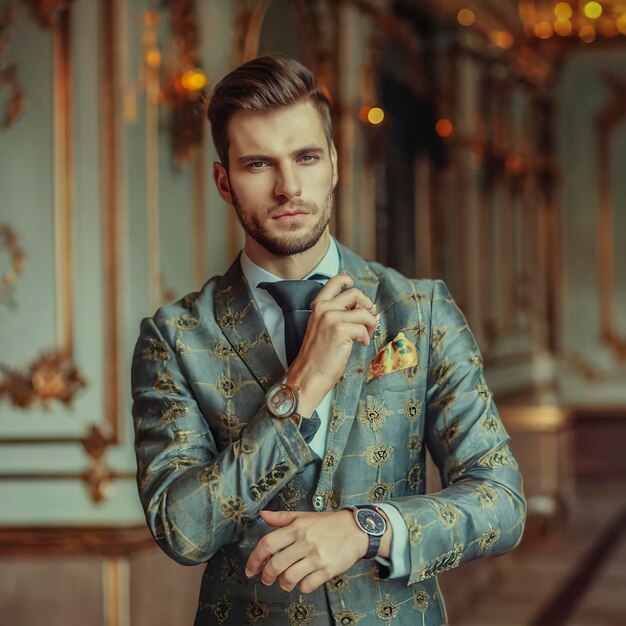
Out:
{"x": 290, "y": 396}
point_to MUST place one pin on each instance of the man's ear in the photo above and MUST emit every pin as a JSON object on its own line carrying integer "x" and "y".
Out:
{"x": 333, "y": 160}
{"x": 220, "y": 176}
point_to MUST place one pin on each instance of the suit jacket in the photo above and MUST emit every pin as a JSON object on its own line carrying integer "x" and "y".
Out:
{"x": 210, "y": 456}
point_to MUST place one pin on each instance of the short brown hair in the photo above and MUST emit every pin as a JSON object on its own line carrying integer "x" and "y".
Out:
{"x": 263, "y": 84}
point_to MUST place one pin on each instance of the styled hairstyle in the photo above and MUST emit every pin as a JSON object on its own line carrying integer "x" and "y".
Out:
{"x": 263, "y": 84}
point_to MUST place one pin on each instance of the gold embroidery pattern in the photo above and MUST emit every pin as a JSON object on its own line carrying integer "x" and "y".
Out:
{"x": 234, "y": 508}
{"x": 445, "y": 562}
{"x": 487, "y": 495}
{"x": 223, "y": 350}
{"x": 450, "y": 434}
{"x": 491, "y": 424}
{"x": 416, "y": 532}
{"x": 231, "y": 570}
{"x": 257, "y": 611}
{"x": 441, "y": 371}
{"x": 338, "y": 583}
{"x": 386, "y": 610}
{"x": 226, "y": 386}
{"x": 448, "y": 515}
{"x": 186, "y": 322}
{"x": 174, "y": 411}
{"x": 300, "y": 614}
{"x": 378, "y": 455}
{"x": 181, "y": 348}
{"x": 438, "y": 336}
{"x": 336, "y": 421}
{"x": 276, "y": 474}
{"x": 212, "y": 479}
{"x": 475, "y": 360}
{"x": 373, "y": 413}
{"x": 414, "y": 477}
{"x": 379, "y": 491}
{"x": 414, "y": 444}
{"x": 488, "y": 539}
{"x": 330, "y": 460}
{"x": 420, "y": 600}
{"x": 221, "y": 609}
{"x": 157, "y": 350}
{"x": 495, "y": 459}
{"x": 164, "y": 383}
{"x": 412, "y": 409}
{"x": 346, "y": 618}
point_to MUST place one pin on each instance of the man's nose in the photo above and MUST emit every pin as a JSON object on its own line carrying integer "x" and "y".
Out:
{"x": 287, "y": 183}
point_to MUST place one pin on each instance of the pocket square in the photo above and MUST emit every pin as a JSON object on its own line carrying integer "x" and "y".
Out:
{"x": 398, "y": 354}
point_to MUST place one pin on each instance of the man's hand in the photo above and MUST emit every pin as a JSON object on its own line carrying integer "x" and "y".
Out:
{"x": 308, "y": 549}
{"x": 338, "y": 319}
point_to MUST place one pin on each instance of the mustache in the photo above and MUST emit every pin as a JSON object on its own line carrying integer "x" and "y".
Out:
{"x": 292, "y": 205}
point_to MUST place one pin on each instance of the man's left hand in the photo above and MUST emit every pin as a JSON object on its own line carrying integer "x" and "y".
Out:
{"x": 307, "y": 549}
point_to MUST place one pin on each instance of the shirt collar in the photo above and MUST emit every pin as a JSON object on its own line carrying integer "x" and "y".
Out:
{"x": 328, "y": 266}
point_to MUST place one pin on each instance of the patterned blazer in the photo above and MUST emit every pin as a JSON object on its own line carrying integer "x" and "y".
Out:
{"x": 210, "y": 456}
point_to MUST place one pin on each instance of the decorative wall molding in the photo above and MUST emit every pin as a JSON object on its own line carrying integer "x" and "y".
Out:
{"x": 609, "y": 118}
{"x": 55, "y": 376}
{"x": 9, "y": 244}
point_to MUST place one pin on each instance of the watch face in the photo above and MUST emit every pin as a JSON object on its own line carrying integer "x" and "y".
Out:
{"x": 371, "y": 522}
{"x": 282, "y": 401}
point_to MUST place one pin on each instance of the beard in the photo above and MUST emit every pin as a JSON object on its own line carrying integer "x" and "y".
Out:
{"x": 286, "y": 244}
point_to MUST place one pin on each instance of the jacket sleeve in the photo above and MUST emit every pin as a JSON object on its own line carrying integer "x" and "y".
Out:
{"x": 481, "y": 509}
{"x": 197, "y": 497}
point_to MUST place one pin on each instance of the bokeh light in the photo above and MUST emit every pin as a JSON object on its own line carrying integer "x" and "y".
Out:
{"x": 501, "y": 39}
{"x": 466, "y": 17}
{"x": 543, "y": 30}
{"x": 193, "y": 80}
{"x": 153, "y": 57}
{"x": 592, "y": 10}
{"x": 375, "y": 115}
{"x": 587, "y": 33}
{"x": 563, "y": 27}
{"x": 444, "y": 127}
{"x": 621, "y": 23}
{"x": 563, "y": 10}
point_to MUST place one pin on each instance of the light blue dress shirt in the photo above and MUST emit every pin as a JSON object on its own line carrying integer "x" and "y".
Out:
{"x": 272, "y": 315}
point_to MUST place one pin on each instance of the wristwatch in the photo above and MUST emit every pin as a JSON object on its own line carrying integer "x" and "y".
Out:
{"x": 281, "y": 401}
{"x": 370, "y": 521}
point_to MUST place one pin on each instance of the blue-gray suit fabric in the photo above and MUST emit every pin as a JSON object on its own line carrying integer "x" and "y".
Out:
{"x": 210, "y": 457}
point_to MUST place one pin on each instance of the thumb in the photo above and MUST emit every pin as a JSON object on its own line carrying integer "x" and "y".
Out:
{"x": 278, "y": 518}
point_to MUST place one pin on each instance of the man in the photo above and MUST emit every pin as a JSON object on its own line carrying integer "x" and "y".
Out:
{"x": 250, "y": 465}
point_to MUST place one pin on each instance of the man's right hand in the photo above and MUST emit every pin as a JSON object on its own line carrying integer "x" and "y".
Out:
{"x": 338, "y": 319}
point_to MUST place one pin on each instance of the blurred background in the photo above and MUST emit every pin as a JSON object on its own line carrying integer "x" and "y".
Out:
{"x": 480, "y": 141}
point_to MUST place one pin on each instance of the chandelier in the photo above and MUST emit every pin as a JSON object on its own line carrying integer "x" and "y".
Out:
{"x": 582, "y": 19}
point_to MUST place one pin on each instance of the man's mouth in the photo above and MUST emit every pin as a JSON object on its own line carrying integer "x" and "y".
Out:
{"x": 290, "y": 214}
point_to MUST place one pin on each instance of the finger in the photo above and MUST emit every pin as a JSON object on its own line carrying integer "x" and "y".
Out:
{"x": 281, "y": 562}
{"x": 315, "y": 579}
{"x": 279, "y": 519}
{"x": 295, "y": 574}
{"x": 350, "y": 299}
{"x": 267, "y": 546}
{"x": 334, "y": 287}
{"x": 357, "y": 317}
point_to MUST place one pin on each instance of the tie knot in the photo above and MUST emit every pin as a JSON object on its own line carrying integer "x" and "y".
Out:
{"x": 293, "y": 295}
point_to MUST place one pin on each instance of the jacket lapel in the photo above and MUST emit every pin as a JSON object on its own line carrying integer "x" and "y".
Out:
{"x": 240, "y": 320}
{"x": 348, "y": 390}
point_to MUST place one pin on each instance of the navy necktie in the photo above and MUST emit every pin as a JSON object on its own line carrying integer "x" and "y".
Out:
{"x": 294, "y": 297}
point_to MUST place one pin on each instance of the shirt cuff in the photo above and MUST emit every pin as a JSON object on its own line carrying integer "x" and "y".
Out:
{"x": 399, "y": 561}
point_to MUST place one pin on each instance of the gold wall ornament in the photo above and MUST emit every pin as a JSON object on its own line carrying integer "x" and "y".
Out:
{"x": 10, "y": 245}
{"x": 248, "y": 22}
{"x": 52, "y": 377}
{"x": 182, "y": 89}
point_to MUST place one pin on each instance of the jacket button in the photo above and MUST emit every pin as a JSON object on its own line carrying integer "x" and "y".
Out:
{"x": 318, "y": 503}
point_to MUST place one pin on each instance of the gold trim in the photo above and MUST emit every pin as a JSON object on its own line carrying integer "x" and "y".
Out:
{"x": 63, "y": 184}
{"x": 111, "y": 217}
{"x": 68, "y": 540}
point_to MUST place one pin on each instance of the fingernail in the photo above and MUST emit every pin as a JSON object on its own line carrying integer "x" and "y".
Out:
{"x": 249, "y": 574}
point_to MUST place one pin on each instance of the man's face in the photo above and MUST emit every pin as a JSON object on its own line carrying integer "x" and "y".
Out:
{"x": 281, "y": 177}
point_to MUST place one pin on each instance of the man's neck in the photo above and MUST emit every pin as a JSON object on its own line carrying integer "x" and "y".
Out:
{"x": 293, "y": 267}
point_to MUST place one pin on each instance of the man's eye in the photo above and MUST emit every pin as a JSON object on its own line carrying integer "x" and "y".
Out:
{"x": 256, "y": 165}
{"x": 309, "y": 158}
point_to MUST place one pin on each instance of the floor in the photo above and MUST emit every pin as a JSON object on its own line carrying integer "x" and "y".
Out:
{"x": 572, "y": 575}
